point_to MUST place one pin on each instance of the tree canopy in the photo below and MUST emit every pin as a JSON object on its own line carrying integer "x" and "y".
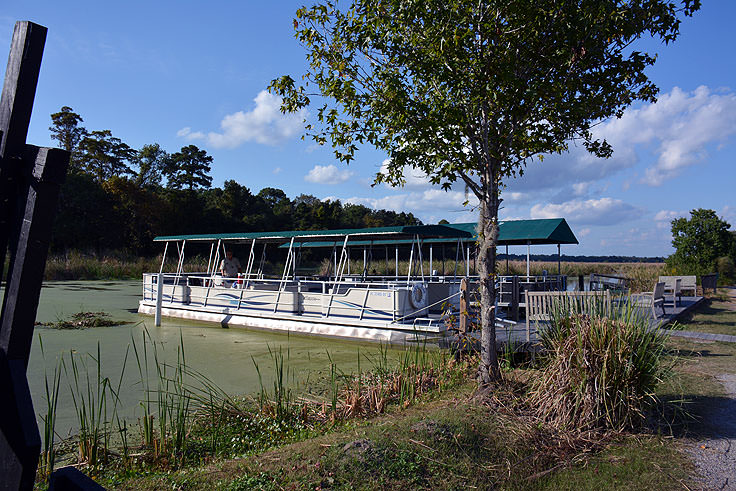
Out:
{"x": 117, "y": 198}
{"x": 699, "y": 241}
{"x": 189, "y": 168}
{"x": 473, "y": 91}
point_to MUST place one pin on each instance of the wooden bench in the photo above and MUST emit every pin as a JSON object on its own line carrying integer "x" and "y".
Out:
{"x": 687, "y": 283}
{"x": 540, "y": 304}
{"x": 674, "y": 289}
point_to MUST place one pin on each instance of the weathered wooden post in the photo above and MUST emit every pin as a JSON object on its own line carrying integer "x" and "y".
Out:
{"x": 30, "y": 178}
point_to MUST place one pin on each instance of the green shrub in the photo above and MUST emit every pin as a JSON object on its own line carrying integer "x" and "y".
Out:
{"x": 601, "y": 371}
{"x": 725, "y": 267}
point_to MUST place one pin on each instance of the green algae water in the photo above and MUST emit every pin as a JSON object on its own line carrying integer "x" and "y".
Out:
{"x": 227, "y": 356}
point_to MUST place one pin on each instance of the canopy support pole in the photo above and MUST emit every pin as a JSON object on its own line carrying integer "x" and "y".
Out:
{"x": 431, "y": 271}
{"x": 338, "y": 274}
{"x": 259, "y": 274}
{"x": 411, "y": 263}
{"x": 251, "y": 262}
{"x": 334, "y": 259}
{"x": 397, "y": 263}
{"x": 285, "y": 276}
{"x": 209, "y": 260}
{"x": 559, "y": 259}
{"x": 443, "y": 259}
{"x": 421, "y": 258}
{"x": 507, "y": 259}
{"x": 528, "y": 252}
{"x": 163, "y": 258}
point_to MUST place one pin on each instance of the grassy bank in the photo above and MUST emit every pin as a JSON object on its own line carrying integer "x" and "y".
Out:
{"x": 413, "y": 423}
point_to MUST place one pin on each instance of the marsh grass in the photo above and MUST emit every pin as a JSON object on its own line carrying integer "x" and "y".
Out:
{"x": 601, "y": 369}
{"x": 48, "y": 452}
{"x": 92, "y": 396}
{"x": 185, "y": 419}
{"x": 75, "y": 265}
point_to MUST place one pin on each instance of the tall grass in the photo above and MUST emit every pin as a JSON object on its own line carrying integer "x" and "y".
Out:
{"x": 75, "y": 265}
{"x": 90, "y": 396}
{"x": 48, "y": 452}
{"x": 601, "y": 370}
{"x": 186, "y": 418}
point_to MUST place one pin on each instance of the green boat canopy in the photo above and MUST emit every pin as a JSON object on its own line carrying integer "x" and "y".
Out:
{"x": 402, "y": 232}
{"x": 523, "y": 232}
{"x": 512, "y": 232}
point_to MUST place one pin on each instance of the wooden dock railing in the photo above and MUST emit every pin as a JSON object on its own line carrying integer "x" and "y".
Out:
{"x": 539, "y": 305}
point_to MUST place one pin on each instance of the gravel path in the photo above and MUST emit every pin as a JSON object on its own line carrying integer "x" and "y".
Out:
{"x": 715, "y": 455}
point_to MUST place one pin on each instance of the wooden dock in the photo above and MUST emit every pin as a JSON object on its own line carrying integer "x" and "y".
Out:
{"x": 515, "y": 333}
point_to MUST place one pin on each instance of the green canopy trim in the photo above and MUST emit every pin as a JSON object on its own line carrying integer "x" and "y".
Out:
{"x": 398, "y": 232}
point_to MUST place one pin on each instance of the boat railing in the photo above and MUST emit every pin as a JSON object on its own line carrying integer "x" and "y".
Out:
{"x": 292, "y": 296}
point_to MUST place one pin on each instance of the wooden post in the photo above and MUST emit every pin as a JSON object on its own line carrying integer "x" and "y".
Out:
{"x": 30, "y": 178}
{"x": 515, "y": 298}
{"x": 16, "y": 104}
{"x": 559, "y": 259}
{"x": 581, "y": 283}
{"x": 463, "y": 327}
{"x": 29, "y": 249}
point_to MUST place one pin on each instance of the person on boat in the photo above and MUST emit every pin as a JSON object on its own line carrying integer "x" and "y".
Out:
{"x": 230, "y": 267}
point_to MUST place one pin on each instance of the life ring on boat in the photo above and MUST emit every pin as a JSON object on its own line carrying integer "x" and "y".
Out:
{"x": 418, "y": 296}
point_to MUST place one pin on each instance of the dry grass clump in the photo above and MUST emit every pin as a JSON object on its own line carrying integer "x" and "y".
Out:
{"x": 601, "y": 371}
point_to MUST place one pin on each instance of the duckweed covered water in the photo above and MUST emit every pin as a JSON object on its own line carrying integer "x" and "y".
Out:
{"x": 225, "y": 356}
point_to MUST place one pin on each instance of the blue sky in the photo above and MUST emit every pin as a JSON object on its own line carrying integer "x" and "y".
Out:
{"x": 186, "y": 72}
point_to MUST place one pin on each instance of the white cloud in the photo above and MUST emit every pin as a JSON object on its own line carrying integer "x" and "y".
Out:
{"x": 263, "y": 124}
{"x": 678, "y": 129}
{"x": 430, "y": 205}
{"x": 189, "y": 135}
{"x": 663, "y": 218}
{"x": 683, "y": 125}
{"x": 584, "y": 231}
{"x": 668, "y": 215}
{"x": 327, "y": 174}
{"x": 603, "y": 211}
{"x": 728, "y": 213}
{"x": 277, "y": 170}
{"x": 414, "y": 178}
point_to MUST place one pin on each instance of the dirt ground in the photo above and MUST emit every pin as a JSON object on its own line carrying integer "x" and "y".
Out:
{"x": 714, "y": 450}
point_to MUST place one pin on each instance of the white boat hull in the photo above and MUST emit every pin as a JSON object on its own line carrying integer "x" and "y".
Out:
{"x": 364, "y": 330}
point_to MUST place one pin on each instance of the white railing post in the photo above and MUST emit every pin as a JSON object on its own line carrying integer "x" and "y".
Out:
{"x": 159, "y": 298}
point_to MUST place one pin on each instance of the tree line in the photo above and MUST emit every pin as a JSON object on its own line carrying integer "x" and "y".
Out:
{"x": 118, "y": 198}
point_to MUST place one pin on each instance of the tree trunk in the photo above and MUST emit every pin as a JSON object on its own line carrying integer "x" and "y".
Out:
{"x": 488, "y": 371}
